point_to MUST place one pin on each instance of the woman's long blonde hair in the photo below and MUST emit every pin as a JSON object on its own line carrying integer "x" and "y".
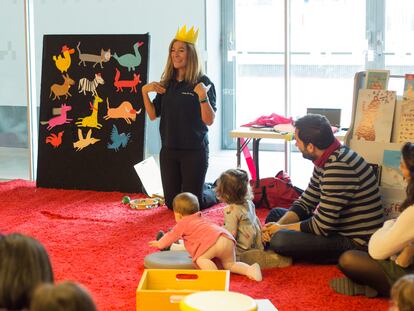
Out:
{"x": 193, "y": 69}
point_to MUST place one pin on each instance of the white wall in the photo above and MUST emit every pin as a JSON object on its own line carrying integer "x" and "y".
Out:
{"x": 160, "y": 18}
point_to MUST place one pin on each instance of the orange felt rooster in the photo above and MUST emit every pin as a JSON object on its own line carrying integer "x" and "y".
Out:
{"x": 54, "y": 140}
{"x": 63, "y": 63}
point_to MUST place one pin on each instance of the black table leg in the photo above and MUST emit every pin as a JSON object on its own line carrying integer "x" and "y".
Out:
{"x": 240, "y": 148}
{"x": 256, "y": 142}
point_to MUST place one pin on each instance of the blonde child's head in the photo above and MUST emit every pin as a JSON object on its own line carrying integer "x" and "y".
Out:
{"x": 233, "y": 187}
{"x": 186, "y": 204}
{"x": 65, "y": 296}
{"x": 402, "y": 293}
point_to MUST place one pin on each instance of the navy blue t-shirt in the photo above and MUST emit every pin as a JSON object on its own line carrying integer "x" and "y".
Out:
{"x": 181, "y": 126}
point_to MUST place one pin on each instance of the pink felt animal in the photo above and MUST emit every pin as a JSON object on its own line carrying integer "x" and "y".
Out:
{"x": 123, "y": 111}
{"x": 60, "y": 119}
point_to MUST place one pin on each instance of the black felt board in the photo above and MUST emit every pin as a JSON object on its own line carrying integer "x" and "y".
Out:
{"x": 106, "y": 165}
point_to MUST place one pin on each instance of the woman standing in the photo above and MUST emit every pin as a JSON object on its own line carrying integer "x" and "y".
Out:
{"x": 186, "y": 105}
{"x": 391, "y": 248}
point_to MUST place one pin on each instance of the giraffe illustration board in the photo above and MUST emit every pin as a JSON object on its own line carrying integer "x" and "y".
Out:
{"x": 374, "y": 115}
{"x": 83, "y": 142}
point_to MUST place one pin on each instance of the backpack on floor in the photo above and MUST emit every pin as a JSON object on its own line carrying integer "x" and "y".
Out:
{"x": 275, "y": 191}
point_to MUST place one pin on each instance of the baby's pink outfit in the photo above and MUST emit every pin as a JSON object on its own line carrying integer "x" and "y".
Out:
{"x": 198, "y": 234}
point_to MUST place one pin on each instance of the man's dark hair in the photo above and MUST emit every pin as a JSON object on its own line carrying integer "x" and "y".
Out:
{"x": 315, "y": 129}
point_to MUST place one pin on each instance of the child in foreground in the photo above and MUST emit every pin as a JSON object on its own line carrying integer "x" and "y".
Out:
{"x": 65, "y": 296}
{"x": 203, "y": 239}
{"x": 402, "y": 294}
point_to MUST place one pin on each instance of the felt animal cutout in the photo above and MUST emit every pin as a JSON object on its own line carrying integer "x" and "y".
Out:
{"x": 63, "y": 63}
{"x": 84, "y": 142}
{"x": 86, "y": 85}
{"x": 130, "y": 61}
{"x": 123, "y": 111}
{"x": 97, "y": 59}
{"x": 55, "y": 140}
{"x": 366, "y": 127}
{"x": 60, "y": 119}
{"x": 126, "y": 83}
{"x": 62, "y": 89}
{"x": 92, "y": 119}
{"x": 118, "y": 139}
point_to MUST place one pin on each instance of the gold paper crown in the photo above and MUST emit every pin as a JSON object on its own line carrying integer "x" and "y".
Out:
{"x": 187, "y": 36}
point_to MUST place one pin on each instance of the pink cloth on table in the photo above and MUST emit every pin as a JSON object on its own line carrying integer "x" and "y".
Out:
{"x": 270, "y": 120}
{"x": 198, "y": 234}
{"x": 284, "y": 128}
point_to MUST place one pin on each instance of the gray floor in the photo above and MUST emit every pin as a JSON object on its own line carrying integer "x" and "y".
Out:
{"x": 14, "y": 164}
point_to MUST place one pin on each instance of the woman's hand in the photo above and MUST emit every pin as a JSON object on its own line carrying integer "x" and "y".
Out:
{"x": 153, "y": 87}
{"x": 207, "y": 112}
{"x": 147, "y": 88}
{"x": 405, "y": 258}
{"x": 201, "y": 90}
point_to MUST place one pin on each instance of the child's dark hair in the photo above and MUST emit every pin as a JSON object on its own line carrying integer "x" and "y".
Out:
{"x": 402, "y": 293}
{"x": 66, "y": 296}
{"x": 186, "y": 203}
{"x": 407, "y": 152}
{"x": 24, "y": 264}
{"x": 233, "y": 187}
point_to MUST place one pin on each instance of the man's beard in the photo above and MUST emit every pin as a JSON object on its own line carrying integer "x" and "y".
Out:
{"x": 308, "y": 156}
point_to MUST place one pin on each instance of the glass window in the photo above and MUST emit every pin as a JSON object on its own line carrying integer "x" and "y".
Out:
{"x": 398, "y": 47}
{"x": 260, "y": 59}
{"x": 329, "y": 41}
{"x": 328, "y": 47}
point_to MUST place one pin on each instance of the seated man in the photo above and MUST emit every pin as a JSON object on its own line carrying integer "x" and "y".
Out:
{"x": 340, "y": 209}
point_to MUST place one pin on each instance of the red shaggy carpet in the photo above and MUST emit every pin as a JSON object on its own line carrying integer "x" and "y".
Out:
{"x": 93, "y": 239}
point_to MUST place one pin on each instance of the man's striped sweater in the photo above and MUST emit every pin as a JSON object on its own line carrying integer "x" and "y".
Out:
{"x": 342, "y": 198}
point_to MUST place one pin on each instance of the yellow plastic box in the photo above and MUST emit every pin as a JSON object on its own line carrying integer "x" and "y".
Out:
{"x": 163, "y": 289}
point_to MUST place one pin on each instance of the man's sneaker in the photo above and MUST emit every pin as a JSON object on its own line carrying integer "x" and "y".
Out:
{"x": 347, "y": 287}
{"x": 266, "y": 259}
